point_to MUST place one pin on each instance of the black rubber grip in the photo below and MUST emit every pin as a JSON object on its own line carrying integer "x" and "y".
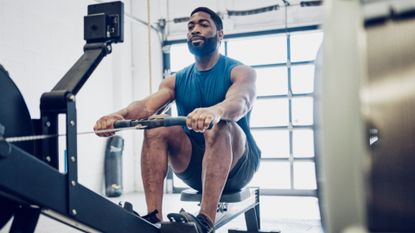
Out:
{"x": 122, "y": 124}
{"x": 171, "y": 121}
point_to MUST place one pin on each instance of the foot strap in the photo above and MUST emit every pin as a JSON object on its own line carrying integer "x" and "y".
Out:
{"x": 175, "y": 217}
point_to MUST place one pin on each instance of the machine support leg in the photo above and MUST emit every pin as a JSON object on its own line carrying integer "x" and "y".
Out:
{"x": 257, "y": 210}
{"x": 251, "y": 220}
{"x": 25, "y": 220}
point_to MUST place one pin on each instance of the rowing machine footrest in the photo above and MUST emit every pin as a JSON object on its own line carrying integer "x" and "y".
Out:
{"x": 177, "y": 227}
{"x": 254, "y": 231}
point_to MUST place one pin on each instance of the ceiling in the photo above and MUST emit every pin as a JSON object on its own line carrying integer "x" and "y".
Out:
{"x": 236, "y": 18}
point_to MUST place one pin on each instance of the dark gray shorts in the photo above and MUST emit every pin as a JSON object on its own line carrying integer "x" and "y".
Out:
{"x": 239, "y": 176}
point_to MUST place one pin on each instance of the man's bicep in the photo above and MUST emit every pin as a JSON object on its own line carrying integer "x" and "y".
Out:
{"x": 243, "y": 81}
{"x": 243, "y": 74}
{"x": 167, "y": 86}
{"x": 163, "y": 96}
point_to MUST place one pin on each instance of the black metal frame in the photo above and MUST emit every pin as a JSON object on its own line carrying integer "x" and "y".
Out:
{"x": 37, "y": 186}
{"x": 250, "y": 209}
{"x": 231, "y": 205}
{"x": 34, "y": 183}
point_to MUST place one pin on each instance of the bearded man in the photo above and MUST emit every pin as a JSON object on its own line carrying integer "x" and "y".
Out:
{"x": 214, "y": 89}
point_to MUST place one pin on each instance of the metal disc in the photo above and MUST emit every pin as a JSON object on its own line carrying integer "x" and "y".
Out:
{"x": 389, "y": 107}
{"x": 14, "y": 115}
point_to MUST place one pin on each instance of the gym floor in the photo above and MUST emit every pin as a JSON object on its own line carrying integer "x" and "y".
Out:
{"x": 287, "y": 214}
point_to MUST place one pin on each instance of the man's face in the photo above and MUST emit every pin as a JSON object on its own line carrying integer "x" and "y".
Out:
{"x": 202, "y": 36}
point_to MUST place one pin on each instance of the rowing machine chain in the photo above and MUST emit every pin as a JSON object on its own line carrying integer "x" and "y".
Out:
{"x": 47, "y": 136}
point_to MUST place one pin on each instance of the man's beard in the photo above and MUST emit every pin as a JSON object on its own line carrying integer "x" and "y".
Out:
{"x": 208, "y": 46}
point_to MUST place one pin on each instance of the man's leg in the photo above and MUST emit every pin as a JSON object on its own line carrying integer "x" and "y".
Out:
{"x": 225, "y": 145}
{"x": 159, "y": 143}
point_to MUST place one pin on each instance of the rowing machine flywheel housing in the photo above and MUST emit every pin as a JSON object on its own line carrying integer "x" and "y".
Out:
{"x": 15, "y": 117}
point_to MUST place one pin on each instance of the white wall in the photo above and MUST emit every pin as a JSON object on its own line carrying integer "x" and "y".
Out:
{"x": 40, "y": 40}
{"x": 142, "y": 84}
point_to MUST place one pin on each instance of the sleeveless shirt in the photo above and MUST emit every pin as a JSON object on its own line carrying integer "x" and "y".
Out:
{"x": 198, "y": 89}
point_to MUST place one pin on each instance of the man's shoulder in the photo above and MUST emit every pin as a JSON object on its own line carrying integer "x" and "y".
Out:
{"x": 231, "y": 60}
{"x": 186, "y": 69}
{"x": 184, "y": 73}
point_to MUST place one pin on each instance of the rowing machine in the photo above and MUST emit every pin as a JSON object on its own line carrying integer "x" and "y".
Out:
{"x": 230, "y": 206}
{"x": 30, "y": 182}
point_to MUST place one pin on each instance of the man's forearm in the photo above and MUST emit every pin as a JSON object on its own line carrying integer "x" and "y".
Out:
{"x": 144, "y": 108}
{"x": 233, "y": 109}
{"x": 135, "y": 110}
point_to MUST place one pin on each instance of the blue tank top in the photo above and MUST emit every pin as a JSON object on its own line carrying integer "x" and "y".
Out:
{"x": 196, "y": 89}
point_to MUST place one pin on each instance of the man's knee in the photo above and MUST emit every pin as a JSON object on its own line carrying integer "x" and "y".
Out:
{"x": 173, "y": 136}
{"x": 156, "y": 133}
{"x": 221, "y": 131}
{"x": 227, "y": 131}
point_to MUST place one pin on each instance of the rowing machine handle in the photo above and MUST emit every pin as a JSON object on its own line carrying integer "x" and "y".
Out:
{"x": 181, "y": 120}
{"x": 123, "y": 124}
{"x": 157, "y": 122}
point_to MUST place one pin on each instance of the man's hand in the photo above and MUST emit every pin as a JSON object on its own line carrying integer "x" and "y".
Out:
{"x": 106, "y": 122}
{"x": 200, "y": 119}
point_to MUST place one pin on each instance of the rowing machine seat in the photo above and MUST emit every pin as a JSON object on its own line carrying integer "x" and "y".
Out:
{"x": 192, "y": 195}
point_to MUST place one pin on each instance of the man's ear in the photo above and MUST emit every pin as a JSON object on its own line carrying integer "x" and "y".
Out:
{"x": 220, "y": 34}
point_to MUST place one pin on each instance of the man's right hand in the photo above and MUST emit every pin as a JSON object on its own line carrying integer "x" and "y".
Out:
{"x": 106, "y": 122}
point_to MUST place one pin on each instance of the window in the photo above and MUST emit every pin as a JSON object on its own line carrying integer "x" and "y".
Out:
{"x": 303, "y": 143}
{"x": 273, "y": 175}
{"x": 271, "y": 81}
{"x": 259, "y": 50}
{"x": 282, "y": 118}
{"x": 180, "y": 57}
{"x": 304, "y": 175}
{"x": 273, "y": 143}
{"x": 302, "y": 111}
{"x": 270, "y": 112}
{"x": 302, "y": 79}
{"x": 304, "y": 45}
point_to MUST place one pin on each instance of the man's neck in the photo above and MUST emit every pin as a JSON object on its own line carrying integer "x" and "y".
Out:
{"x": 206, "y": 63}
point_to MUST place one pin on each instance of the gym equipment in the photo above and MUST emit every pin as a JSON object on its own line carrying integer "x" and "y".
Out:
{"x": 113, "y": 166}
{"x": 230, "y": 206}
{"x": 388, "y": 103}
{"x": 22, "y": 174}
{"x": 30, "y": 182}
{"x": 11, "y": 96}
{"x": 366, "y": 124}
{"x": 153, "y": 123}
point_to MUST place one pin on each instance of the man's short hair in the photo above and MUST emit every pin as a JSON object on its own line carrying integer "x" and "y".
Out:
{"x": 215, "y": 17}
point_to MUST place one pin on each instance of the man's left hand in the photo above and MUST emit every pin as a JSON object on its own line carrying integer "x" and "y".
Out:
{"x": 200, "y": 119}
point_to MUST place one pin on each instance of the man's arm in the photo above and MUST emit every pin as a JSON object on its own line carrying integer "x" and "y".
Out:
{"x": 241, "y": 95}
{"x": 238, "y": 101}
{"x": 140, "y": 109}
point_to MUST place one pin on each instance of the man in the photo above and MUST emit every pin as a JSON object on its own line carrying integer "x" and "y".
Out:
{"x": 214, "y": 89}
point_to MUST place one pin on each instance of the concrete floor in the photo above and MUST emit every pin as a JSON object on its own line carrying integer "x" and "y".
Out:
{"x": 287, "y": 214}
